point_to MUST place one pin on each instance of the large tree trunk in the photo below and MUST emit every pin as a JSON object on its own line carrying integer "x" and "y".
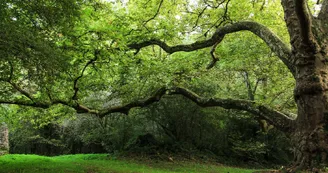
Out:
{"x": 309, "y": 57}
{"x": 310, "y": 136}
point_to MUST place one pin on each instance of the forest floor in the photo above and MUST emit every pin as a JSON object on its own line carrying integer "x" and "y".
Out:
{"x": 102, "y": 163}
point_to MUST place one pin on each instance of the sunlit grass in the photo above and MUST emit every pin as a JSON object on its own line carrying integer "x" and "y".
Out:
{"x": 102, "y": 163}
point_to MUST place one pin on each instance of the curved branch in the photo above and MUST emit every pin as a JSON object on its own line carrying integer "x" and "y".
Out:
{"x": 84, "y": 109}
{"x": 214, "y": 57}
{"x": 24, "y": 103}
{"x": 140, "y": 103}
{"x": 280, "y": 120}
{"x": 45, "y": 105}
{"x": 272, "y": 40}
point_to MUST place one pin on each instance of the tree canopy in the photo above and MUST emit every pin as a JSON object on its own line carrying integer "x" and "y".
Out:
{"x": 105, "y": 56}
{"x": 81, "y": 50}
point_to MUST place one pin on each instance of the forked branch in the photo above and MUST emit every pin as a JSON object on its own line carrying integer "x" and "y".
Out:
{"x": 75, "y": 83}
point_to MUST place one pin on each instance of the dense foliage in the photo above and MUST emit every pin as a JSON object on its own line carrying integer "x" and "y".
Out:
{"x": 66, "y": 65}
{"x": 174, "y": 126}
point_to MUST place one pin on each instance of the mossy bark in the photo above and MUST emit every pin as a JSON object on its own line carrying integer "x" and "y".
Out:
{"x": 308, "y": 38}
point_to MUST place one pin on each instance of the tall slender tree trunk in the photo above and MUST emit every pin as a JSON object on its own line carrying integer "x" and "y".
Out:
{"x": 4, "y": 142}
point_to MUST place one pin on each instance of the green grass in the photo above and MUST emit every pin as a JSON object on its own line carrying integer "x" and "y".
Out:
{"x": 101, "y": 163}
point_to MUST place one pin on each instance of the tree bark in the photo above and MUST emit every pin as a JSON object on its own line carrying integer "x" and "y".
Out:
{"x": 309, "y": 57}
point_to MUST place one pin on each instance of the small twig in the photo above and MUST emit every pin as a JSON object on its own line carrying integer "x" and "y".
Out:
{"x": 257, "y": 83}
{"x": 199, "y": 16}
{"x": 262, "y": 6}
{"x": 212, "y": 5}
{"x": 157, "y": 12}
{"x": 11, "y": 71}
{"x": 214, "y": 58}
{"x": 75, "y": 87}
{"x": 145, "y": 4}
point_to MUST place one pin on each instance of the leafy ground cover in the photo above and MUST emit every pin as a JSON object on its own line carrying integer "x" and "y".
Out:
{"x": 102, "y": 163}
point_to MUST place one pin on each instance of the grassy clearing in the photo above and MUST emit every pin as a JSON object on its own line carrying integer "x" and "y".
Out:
{"x": 101, "y": 163}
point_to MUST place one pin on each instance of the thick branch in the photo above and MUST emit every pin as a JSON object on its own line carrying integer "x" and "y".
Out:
{"x": 140, "y": 103}
{"x": 280, "y": 120}
{"x": 84, "y": 109}
{"x": 45, "y": 105}
{"x": 24, "y": 103}
{"x": 272, "y": 40}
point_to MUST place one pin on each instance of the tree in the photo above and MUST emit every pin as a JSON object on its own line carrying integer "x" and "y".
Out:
{"x": 305, "y": 57}
{"x": 306, "y": 61}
